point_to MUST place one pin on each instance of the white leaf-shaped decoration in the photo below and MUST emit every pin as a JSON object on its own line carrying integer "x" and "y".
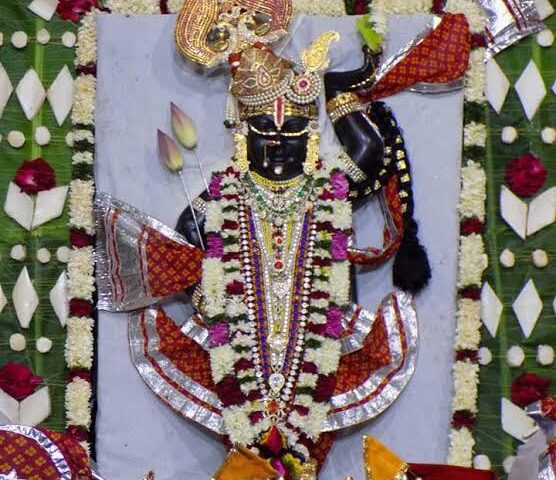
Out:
{"x": 30, "y": 93}
{"x": 25, "y": 298}
{"x": 6, "y": 89}
{"x": 19, "y": 206}
{"x": 44, "y": 8}
{"x": 497, "y": 85}
{"x": 513, "y": 211}
{"x": 515, "y": 421}
{"x": 35, "y": 408}
{"x": 60, "y": 95}
{"x": 542, "y": 211}
{"x": 530, "y": 89}
{"x": 49, "y": 205}
{"x": 9, "y": 406}
{"x": 59, "y": 300}
{"x": 491, "y": 309}
{"x": 3, "y": 299}
{"x": 545, "y": 8}
{"x": 527, "y": 308}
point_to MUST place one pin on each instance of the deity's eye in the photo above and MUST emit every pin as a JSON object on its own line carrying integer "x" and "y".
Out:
{"x": 294, "y": 124}
{"x": 258, "y": 23}
{"x": 218, "y": 39}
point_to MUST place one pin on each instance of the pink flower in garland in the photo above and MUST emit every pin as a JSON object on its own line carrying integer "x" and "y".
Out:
{"x": 219, "y": 334}
{"x": 526, "y": 175}
{"x": 215, "y": 246}
{"x": 215, "y": 187}
{"x": 334, "y": 322}
{"x": 35, "y": 176}
{"x": 18, "y": 381}
{"x": 72, "y": 9}
{"x": 339, "y": 246}
{"x": 340, "y": 185}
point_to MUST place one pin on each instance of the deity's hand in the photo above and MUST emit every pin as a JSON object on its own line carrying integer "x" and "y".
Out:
{"x": 337, "y": 82}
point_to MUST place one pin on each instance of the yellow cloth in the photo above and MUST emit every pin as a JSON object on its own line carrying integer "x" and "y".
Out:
{"x": 241, "y": 464}
{"x": 380, "y": 462}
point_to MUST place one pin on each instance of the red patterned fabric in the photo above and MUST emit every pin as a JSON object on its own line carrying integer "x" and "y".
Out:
{"x": 183, "y": 352}
{"x": 171, "y": 266}
{"x": 356, "y": 367}
{"x": 445, "y": 472}
{"x": 442, "y": 57}
{"x": 391, "y": 239}
{"x": 548, "y": 406}
{"x": 32, "y": 462}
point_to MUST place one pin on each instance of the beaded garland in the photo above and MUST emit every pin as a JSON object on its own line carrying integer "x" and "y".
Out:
{"x": 274, "y": 332}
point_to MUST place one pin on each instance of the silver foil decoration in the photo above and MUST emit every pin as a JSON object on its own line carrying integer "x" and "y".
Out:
{"x": 46, "y": 444}
{"x": 124, "y": 285}
{"x": 367, "y": 401}
{"x": 156, "y": 370}
{"x": 508, "y": 21}
{"x": 362, "y": 326}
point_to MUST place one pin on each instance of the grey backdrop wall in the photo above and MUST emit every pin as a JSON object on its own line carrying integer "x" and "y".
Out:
{"x": 139, "y": 73}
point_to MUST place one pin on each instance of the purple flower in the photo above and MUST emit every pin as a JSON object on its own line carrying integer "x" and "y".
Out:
{"x": 340, "y": 185}
{"x": 215, "y": 247}
{"x": 339, "y": 246}
{"x": 214, "y": 187}
{"x": 334, "y": 322}
{"x": 219, "y": 334}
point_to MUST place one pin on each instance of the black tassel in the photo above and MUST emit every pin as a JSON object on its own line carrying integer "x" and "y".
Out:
{"x": 411, "y": 271}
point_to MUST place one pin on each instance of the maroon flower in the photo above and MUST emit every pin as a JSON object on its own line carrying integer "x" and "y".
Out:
{"x": 71, "y": 9}
{"x": 234, "y": 288}
{"x": 34, "y": 176}
{"x": 528, "y": 388}
{"x": 17, "y": 380}
{"x": 230, "y": 225}
{"x": 79, "y": 373}
{"x": 318, "y": 328}
{"x": 90, "y": 69}
{"x": 309, "y": 367}
{"x": 325, "y": 388}
{"x": 471, "y": 355}
{"x": 255, "y": 417}
{"x": 526, "y": 175}
{"x": 303, "y": 411}
{"x": 80, "y": 308}
{"x": 438, "y": 6}
{"x": 471, "y": 225}
{"x": 463, "y": 419}
{"x": 78, "y": 433}
{"x": 243, "y": 364}
{"x": 360, "y": 7}
{"x": 229, "y": 392}
{"x": 472, "y": 293}
{"x": 478, "y": 40}
{"x": 80, "y": 239}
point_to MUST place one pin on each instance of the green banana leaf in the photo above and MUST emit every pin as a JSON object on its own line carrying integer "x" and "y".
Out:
{"x": 47, "y": 60}
{"x": 496, "y": 378}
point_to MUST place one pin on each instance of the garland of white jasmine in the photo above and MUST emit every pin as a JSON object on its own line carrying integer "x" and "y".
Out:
{"x": 473, "y": 260}
{"x": 234, "y": 356}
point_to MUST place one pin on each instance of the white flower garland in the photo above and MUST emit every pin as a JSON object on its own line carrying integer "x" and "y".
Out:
{"x": 473, "y": 260}
{"x": 461, "y": 447}
{"x": 79, "y": 342}
{"x": 84, "y": 95}
{"x": 81, "y": 205}
{"x": 81, "y": 282}
{"x": 472, "y": 10}
{"x": 134, "y": 7}
{"x": 473, "y": 191}
{"x": 382, "y": 9}
{"x": 78, "y": 400}
{"x": 336, "y": 8}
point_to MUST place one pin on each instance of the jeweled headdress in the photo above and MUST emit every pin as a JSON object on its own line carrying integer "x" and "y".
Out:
{"x": 262, "y": 82}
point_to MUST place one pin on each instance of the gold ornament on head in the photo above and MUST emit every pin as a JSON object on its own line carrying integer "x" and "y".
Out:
{"x": 208, "y": 31}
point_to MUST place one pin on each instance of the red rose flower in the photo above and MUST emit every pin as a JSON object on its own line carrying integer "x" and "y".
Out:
{"x": 528, "y": 388}
{"x": 255, "y": 417}
{"x": 17, "y": 380}
{"x": 463, "y": 419}
{"x": 243, "y": 364}
{"x": 471, "y": 225}
{"x": 526, "y": 175}
{"x": 438, "y": 6}
{"x": 325, "y": 388}
{"x": 71, "y": 9}
{"x": 229, "y": 392}
{"x": 309, "y": 367}
{"x": 80, "y": 308}
{"x": 78, "y": 433}
{"x": 234, "y": 288}
{"x": 472, "y": 293}
{"x": 34, "y": 176}
{"x": 471, "y": 355}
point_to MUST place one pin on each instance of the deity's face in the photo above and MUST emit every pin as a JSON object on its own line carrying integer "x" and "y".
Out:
{"x": 277, "y": 155}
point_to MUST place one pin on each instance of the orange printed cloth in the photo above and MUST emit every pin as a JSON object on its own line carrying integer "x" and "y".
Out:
{"x": 441, "y": 57}
{"x": 40, "y": 454}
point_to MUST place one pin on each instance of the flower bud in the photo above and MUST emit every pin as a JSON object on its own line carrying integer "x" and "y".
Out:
{"x": 183, "y": 127}
{"x": 169, "y": 153}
